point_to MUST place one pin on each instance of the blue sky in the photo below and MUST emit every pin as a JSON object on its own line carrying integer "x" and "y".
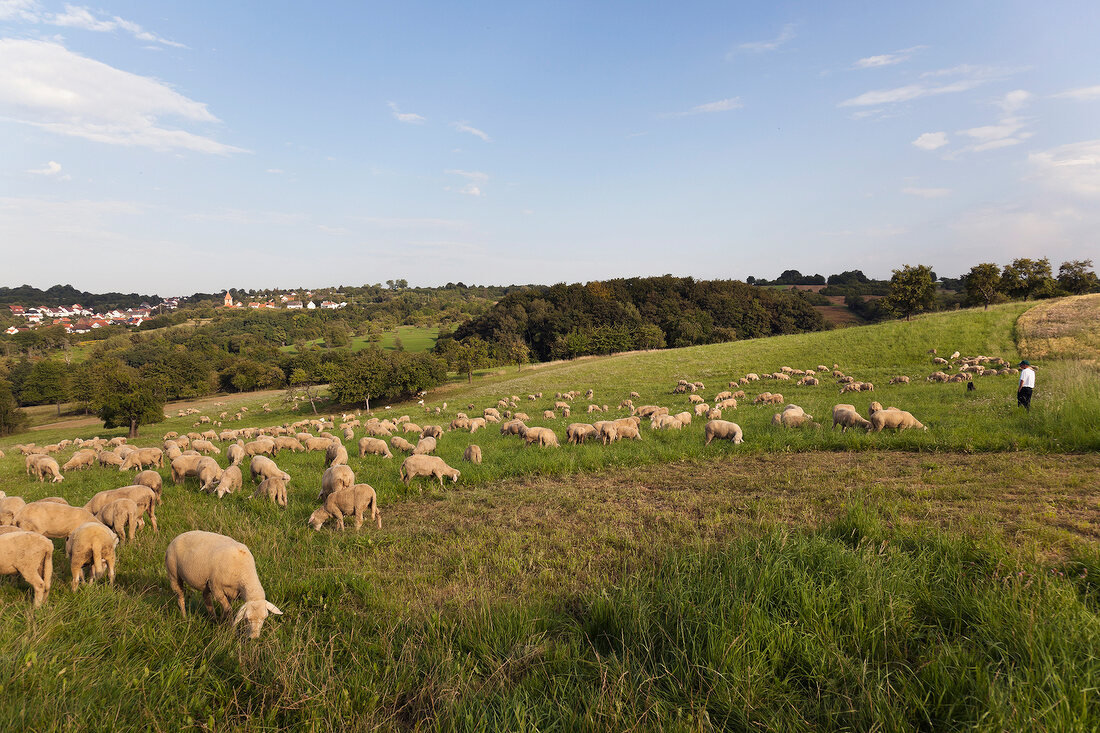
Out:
{"x": 178, "y": 147}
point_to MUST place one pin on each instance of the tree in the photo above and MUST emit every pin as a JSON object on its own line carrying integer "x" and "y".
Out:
{"x": 300, "y": 379}
{"x": 1026, "y": 278}
{"x": 130, "y": 401}
{"x": 12, "y": 419}
{"x": 1077, "y": 277}
{"x": 981, "y": 283}
{"x": 467, "y": 355}
{"x": 912, "y": 290}
{"x": 47, "y": 383}
{"x": 362, "y": 378}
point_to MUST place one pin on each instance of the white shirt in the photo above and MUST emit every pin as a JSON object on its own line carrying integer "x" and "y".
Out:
{"x": 1027, "y": 377}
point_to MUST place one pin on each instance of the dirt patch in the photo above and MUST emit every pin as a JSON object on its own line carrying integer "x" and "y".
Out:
{"x": 1066, "y": 328}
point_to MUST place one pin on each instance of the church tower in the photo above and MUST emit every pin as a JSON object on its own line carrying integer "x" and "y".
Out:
{"x": 228, "y": 300}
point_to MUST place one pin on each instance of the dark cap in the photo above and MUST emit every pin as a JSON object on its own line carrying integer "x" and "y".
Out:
{"x": 1025, "y": 362}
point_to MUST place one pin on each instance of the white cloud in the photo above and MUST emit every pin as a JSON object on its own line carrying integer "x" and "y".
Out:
{"x": 472, "y": 175}
{"x": 46, "y": 85}
{"x": 463, "y": 127}
{"x": 335, "y": 231}
{"x": 470, "y": 190}
{"x": 474, "y": 178}
{"x": 1008, "y": 132}
{"x": 927, "y": 193}
{"x": 931, "y": 140}
{"x": 25, "y": 10}
{"x": 51, "y": 169}
{"x": 1015, "y": 101}
{"x": 784, "y": 36}
{"x": 1074, "y": 168}
{"x": 908, "y": 93}
{"x": 722, "y": 105}
{"x": 410, "y": 117}
{"x": 1081, "y": 95}
{"x": 77, "y": 16}
{"x": 887, "y": 59}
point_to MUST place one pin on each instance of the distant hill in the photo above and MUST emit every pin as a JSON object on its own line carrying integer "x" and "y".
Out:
{"x": 27, "y": 295}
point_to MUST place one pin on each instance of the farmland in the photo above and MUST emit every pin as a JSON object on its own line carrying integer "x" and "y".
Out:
{"x": 807, "y": 579}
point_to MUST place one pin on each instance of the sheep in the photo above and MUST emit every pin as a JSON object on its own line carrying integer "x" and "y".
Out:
{"x": 512, "y": 427}
{"x": 577, "y": 432}
{"x": 143, "y": 496}
{"x": 121, "y": 515}
{"x": 335, "y": 478}
{"x": 900, "y": 380}
{"x": 473, "y": 454}
{"x": 316, "y": 444}
{"x": 412, "y": 428}
{"x": 48, "y": 467}
{"x": 789, "y": 419}
{"x": 723, "y": 430}
{"x": 701, "y": 409}
{"x": 354, "y": 501}
{"x": 521, "y": 416}
{"x": 81, "y": 459}
{"x": 894, "y": 419}
{"x": 336, "y": 454}
{"x": 432, "y": 431}
{"x": 665, "y": 422}
{"x": 544, "y": 437}
{"x": 9, "y": 507}
{"x": 714, "y": 413}
{"x": 624, "y": 432}
{"x": 424, "y": 446}
{"x": 460, "y": 423}
{"x": 273, "y": 488}
{"x": 607, "y": 431}
{"x": 548, "y": 415}
{"x": 846, "y": 417}
{"x": 222, "y": 569}
{"x": 288, "y": 442}
{"x": 51, "y": 519}
{"x": 143, "y": 457}
{"x": 374, "y": 446}
{"x": 430, "y": 466}
{"x": 92, "y": 543}
{"x": 205, "y": 468}
{"x": 808, "y": 382}
{"x": 231, "y": 479}
{"x": 205, "y": 446}
{"x": 264, "y": 467}
{"x": 730, "y": 403}
{"x": 695, "y": 399}
{"x": 477, "y": 423}
{"x": 31, "y": 556}
{"x": 400, "y": 443}
{"x": 939, "y": 360}
{"x": 649, "y": 410}
{"x": 954, "y": 356}
{"x": 235, "y": 453}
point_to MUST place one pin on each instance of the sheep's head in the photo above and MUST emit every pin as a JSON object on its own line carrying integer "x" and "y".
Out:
{"x": 318, "y": 518}
{"x": 256, "y": 612}
{"x": 454, "y": 475}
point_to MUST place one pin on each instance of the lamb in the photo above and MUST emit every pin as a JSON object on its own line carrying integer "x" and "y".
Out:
{"x": 335, "y": 478}
{"x": 894, "y": 419}
{"x": 121, "y": 515}
{"x": 846, "y": 417}
{"x": 265, "y": 467}
{"x": 231, "y": 479}
{"x": 355, "y": 501}
{"x": 31, "y": 556}
{"x": 48, "y": 467}
{"x": 143, "y": 496}
{"x": 424, "y": 447}
{"x": 400, "y": 443}
{"x": 374, "y": 446}
{"x": 92, "y": 543}
{"x": 577, "y": 432}
{"x": 273, "y": 488}
{"x": 544, "y": 437}
{"x": 473, "y": 454}
{"x": 51, "y": 519}
{"x": 9, "y": 507}
{"x": 430, "y": 466}
{"x": 222, "y": 569}
{"x": 81, "y": 459}
{"x": 723, "y": 430}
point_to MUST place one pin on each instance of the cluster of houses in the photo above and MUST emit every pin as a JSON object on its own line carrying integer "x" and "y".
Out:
{"x": 289, "y": 301}
{"x": 78, "y": 319}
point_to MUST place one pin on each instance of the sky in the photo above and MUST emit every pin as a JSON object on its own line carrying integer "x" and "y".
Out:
{"x": 170, "y": 148}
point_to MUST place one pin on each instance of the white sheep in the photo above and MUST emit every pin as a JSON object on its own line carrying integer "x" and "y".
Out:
{"x": 723, "y": 430}
{"x": 92, "y": 543}
{"x": 430, "y": 466}
{"x": 354, "y": 501}
{"x": 122, "y": 515}
{"x": 31, "y": 556}
{"x": 222, "y": 569}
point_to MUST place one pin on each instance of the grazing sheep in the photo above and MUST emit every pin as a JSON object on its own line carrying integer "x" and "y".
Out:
{"x": 521, "y": 416}
{"x": 788, "y": 419}
{"x": 336, "y": 454}
{"x": 895, "y": 420}
{"x": 334, "y": 479}
{"x": 808, "y": 382}
{"x": 205, "y": 468}
{"x": 81, "y": 459}
{"x": 31, "y": 556}
{"x": 316, "y": 444}
{"x": 424, "y": 446}
{"x": 265, "y": 467}
{"x": 607, "y": 431}
{"x": 723, "y": 430}
{"x": 273, "y": 488}
{"x": 231, "y": 479}
{"x": 400, "y": 443}
{"x": 412, "y": 428}
{"x": 432, "y": 431}
{"x": 627, "y": 432}
{"x": 477, "y": 423}
{"x": 473, "y": 454}
{"x": 513, "y": 427}
{"x": 143, "y": 457}
{"x": 577, "y": 432}
{"x": 548, "y": 415}
{"x": 288, "y": 442}
{"x": 543, "y": 437}
{"x": 695, "y": 399}
{"x": 665, "y": 422}
{"x": 374, "y": 446}
{"x": 205, "y": 446}
{"x": 701, "y": 409}
{"x": 52, "y": 519}
{"x": 47, "y": 466}
{"x": 222, "y": 569}
{"x": 121, "y": 515}
{"x": 900, "y": 380}
{"x": 460, "y": 423}
{"x": 92, "y": 543}
{"x": 143, "y": 496}
{"x": 235, "y": 453}
{"x": 9, "y": 507}
{"x": 430, "y": 466}
{"x": 846, "y": 417}
{"x": 354, "y": 501}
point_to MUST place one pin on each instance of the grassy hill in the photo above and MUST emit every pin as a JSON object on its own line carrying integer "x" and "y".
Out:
{"x": 803, "y": 580}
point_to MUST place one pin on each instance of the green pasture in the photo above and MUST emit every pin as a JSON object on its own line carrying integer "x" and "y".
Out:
{"x": 413, "y": 339}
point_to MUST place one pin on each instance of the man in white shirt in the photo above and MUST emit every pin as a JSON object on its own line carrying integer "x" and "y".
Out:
{"x": 1027, "y": 385}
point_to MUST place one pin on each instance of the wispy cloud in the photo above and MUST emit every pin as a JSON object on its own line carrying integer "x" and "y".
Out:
{"x": 722, "y": 105}
{"x": 78, "y": 16}
{"x": 931, "y": 140}
{"x": 927, "y": 193}
{"x": 908, "y": 93}
{"x": 410, "y": 117}
{"x": 887, "y": 59}
{"x": 52, "y": 169}
{"x": 46, "y": 85}
{"x": 1082, "y": 94}
{"x": 785, "y": 35}
{"x": 1014, "y": 101}
{"x": 24, "y": 10}
{"x": 463, "y": 127}
{"x": 1074, "y": 168}
{"x": 474, "y": 181}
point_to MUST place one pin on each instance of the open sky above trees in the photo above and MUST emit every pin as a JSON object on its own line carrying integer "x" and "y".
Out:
{"x": 259, "y": 145}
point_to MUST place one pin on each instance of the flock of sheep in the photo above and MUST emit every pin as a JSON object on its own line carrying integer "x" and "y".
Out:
{"x": 224, "y": 569}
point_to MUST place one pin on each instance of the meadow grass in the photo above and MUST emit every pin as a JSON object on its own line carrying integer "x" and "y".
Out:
{"x": 804, "y": 580}
{"x": 413, "y": 339}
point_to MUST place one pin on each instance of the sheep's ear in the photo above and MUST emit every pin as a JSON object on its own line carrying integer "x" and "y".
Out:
{"x": 273, "y": 609}
{"x": 240, "y": 613}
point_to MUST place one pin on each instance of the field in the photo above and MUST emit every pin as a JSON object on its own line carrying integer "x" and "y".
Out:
{"x": 805, "y": 580}
{"x": 413, "y": 339}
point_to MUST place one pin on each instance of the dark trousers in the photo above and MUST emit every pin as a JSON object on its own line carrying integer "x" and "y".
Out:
{"x": 1023, "y": 397}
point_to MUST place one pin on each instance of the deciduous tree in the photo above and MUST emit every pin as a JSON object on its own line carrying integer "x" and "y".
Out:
{"x": 981, "y": 283}
{"x": 912, "y": 290}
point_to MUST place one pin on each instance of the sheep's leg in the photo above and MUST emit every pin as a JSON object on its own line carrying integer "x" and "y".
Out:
{"x": 223, "y": 601}
{"x": 111, "y": 569}
{"x": 30, "y": 574}
{"x": 358, "y": 518}
{"x": 153, "y": 517}
{"x": 207, "y": 600}
{"x": 339, "y": 517}
{"x": 77, "y": 571}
